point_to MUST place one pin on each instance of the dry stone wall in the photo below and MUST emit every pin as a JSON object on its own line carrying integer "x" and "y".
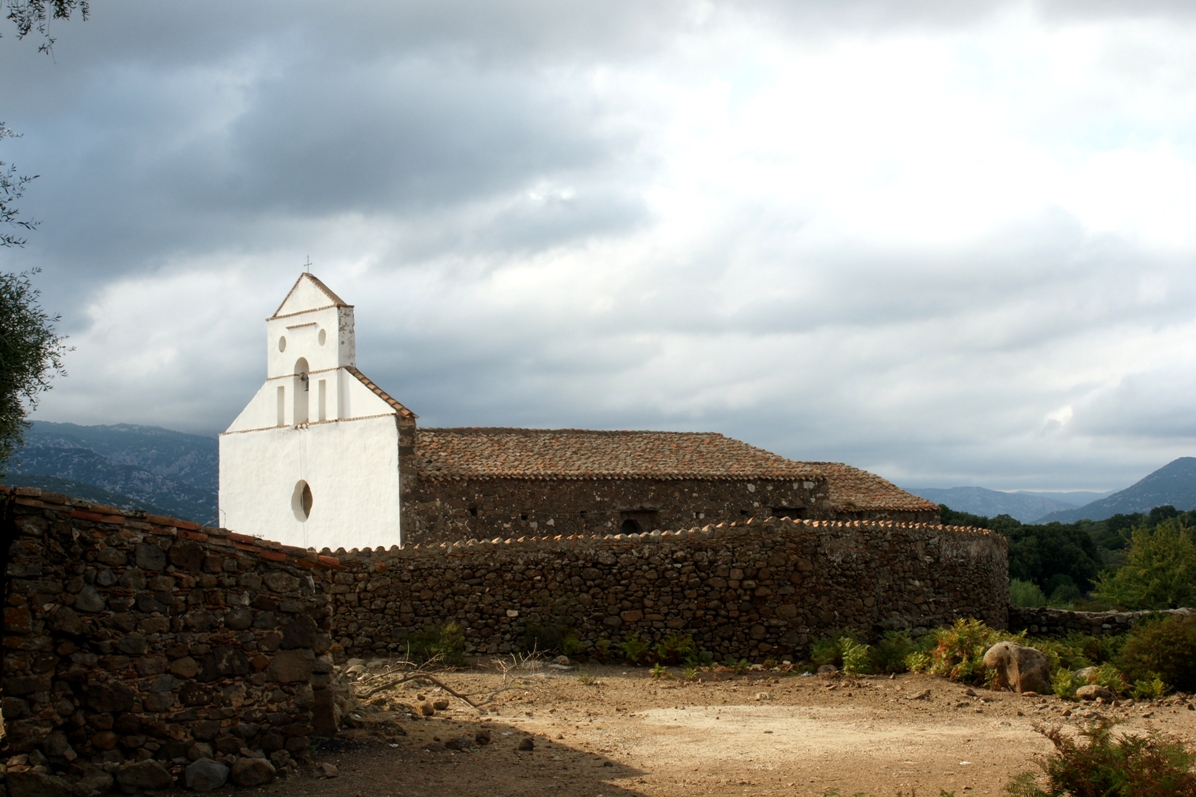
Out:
{"x": 446, "y": 510}
{"x": 1044, "y": 622}
{"x": 135, "y": 644}
{"x": 756, "y": 590}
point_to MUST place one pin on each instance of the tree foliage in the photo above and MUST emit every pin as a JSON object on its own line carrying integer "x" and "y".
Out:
{"x": 11, "y": 188}
{"x": 30, "y": 355}
{"x": 1159, "y": 570}
{"x": 31, "y": 16}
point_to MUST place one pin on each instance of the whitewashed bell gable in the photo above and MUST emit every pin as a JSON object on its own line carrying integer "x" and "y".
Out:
{"x": 312, "y": 460}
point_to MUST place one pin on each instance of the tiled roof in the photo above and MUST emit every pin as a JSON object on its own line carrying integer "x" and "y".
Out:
{"x": 855, "y": 489}
{"x": 581, "y": 454}
{"x": 380, "y": 393}
{"x": 480, "y": 453}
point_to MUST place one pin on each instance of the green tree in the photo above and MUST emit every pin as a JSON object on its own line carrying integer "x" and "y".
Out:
{"x": 34, "y": 15}
{"x": 12, "y": 186}
{"x": 1159, "y": 570}
{"x": 30, "y": 355}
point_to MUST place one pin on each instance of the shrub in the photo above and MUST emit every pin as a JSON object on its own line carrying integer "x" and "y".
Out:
{"x": 1148, "y": 689}
{"x": 1112, "y": 679}
{"x": 660, "y": 671}
{"x": 1064, "y": 683}
{"x": 700, "y": 658}
{"x": 1159, "y": 570}
{"x": 1163, "y": 648}
{"x": 1099, "y": 764}
{"x": 635, "y": 650}
{"x": 825, "y": 651}
{"x": 443, "y": 642}
{"x": 958, "y": 651}
{"x": 857, "y": 657}
{"x": 551, "y": 638}
{"x": 1026, "y": 593}
{"x": 891, "y": 652}
{"x": 675, "y": 648}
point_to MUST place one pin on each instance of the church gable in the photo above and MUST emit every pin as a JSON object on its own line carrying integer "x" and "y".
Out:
{"x": 307, "y": 294}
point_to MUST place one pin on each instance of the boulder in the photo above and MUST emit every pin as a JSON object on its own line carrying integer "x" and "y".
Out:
{"x": 1093, "y": 691}
{"x": 204, "y": 774}
{"x": 36, "y": 784}
{"x": 148, "y": 775}
{"x": 252, "y": 772}
{"x": 94, "y": 783}
{"x": 1019, "y": 668}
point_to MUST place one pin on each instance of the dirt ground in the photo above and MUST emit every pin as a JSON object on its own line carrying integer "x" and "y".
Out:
{"x": 612, "y": 731}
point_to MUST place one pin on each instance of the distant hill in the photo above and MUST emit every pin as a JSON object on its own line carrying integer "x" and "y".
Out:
{"x": 135, "y": 467}
{"x": 1173, "y": 484}
{"x": 979, "y": 501}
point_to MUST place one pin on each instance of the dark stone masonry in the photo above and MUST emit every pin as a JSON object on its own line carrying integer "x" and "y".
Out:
{"x": 136, "y": 644}
{"x": 757, "y": 590}
{"x": 1043, "y": 622}
{"x": 142, "y": 651}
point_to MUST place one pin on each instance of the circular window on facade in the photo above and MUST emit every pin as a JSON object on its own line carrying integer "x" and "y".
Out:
{"x": 323, "y": 336}
{"x": 301, "y": 501}
{"x": 282, "y": 344}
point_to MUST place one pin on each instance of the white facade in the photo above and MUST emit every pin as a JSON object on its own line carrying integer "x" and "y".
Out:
{"x": 313, "y": 460}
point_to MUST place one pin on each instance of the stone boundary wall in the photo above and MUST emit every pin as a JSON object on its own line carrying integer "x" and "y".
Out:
{"x": 762, "y": 589}
{"x": 1043, "y": 622}
{"x": 134, "y": 644}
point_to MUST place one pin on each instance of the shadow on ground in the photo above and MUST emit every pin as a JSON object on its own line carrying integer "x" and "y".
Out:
{"x": 420, "y": 764}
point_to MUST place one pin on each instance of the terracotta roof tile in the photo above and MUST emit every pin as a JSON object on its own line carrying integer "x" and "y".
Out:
{"x": 577, "y": 453}
{"x": 852, "y": 488}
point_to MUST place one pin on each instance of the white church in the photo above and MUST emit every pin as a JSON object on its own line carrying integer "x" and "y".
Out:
{"x": 323, "y": 457}
{"x": 314, "y": 457}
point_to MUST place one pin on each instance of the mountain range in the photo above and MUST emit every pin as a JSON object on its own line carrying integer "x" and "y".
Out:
{"x": 1173, "y": 484}
{"x": 130, "y": 467}
{"x": 1025, "y": 506}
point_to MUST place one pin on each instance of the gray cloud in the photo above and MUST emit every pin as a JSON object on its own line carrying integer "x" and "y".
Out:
{"x": 599, "y": 214}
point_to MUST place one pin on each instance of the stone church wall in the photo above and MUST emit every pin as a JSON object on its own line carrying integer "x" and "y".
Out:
{"x": 762, "y": 589}
{"x": 134, "y": 643}
{"x": 447, "y": 510}
{"x": 130, "y": 639}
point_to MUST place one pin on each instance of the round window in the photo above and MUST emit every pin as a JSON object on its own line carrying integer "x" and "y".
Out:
{"x": 323, "y": 336}
{"x": 282, "y": 344}
{"x": 301, "y": 501}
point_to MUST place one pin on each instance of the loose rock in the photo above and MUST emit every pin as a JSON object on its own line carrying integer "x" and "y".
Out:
{"x": 252, "y": 772}
{"x": 205, "y": 775}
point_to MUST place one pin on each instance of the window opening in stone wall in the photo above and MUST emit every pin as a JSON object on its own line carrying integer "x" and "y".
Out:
{"x": 282, "y": 406}
{"x": 743, "y": 512}
{"x": 323, "y": 399}
{"x": 523, "y": 517}
{"x": 473, "y": 510}
{"x": 282, "y": 344}
{"x": 792, "y": 512}
{"x": 301, "y": 501}
{"x": 323, "y": 336}
{"x": 630, "y": 526}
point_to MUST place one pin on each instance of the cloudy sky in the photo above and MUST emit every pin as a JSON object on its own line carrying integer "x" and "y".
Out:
{"x": 951, "y": 242}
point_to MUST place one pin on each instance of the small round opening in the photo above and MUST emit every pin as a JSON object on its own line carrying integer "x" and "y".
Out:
{"x": 630, "y": 526}
{"x": 282, "y": 344}
{"x": 323, "y": 336}
{"x": 301, "y": 501}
